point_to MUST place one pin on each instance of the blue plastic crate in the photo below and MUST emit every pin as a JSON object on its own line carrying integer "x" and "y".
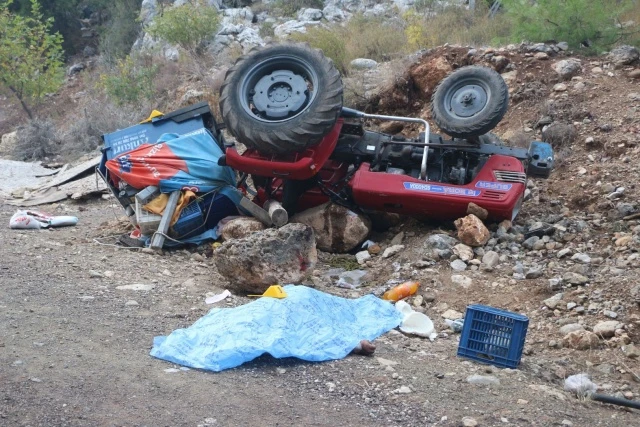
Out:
{"x": 190, "y": 223}
{"x": 493, "y": 336}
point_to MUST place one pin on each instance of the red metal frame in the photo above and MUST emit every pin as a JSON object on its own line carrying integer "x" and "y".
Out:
{"x": 299, "y": 166}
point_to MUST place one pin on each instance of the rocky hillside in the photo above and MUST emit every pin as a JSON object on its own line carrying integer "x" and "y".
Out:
{"x": 570, "y": 261}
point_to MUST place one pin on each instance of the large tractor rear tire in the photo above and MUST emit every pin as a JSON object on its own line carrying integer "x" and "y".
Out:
{"x": 281, "y": 98}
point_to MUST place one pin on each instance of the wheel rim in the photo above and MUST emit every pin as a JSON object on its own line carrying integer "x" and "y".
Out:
{"x": 278, "y": 89}
{"x": 466, "y": 98}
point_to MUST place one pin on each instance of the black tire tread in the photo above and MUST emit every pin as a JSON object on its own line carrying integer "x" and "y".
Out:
{"x": 482, "y": 124}
{"x": 303, "y": 131}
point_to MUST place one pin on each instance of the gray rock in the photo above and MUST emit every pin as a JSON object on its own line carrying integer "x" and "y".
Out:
{"x": 553, "y": 301}
{"x": 439, "y": 246}
{"x": 530, "y": 242}
{"x": 8, "y": 143}
{"x": 583, "y": 258}
{"x": 392, "y": 250}
{"x": 239, "y": 228}
{"x": 418, "y": 301}
{"x": 610, "y": 314}
{"x": 248, "y": 38}
{"x": 285, "y": 29}
{"x": 403, "y": 390}
{"x": 93, "y": 274}
{"x": 192, "y": 96}
{"x": 563, "y": 46}
{"x": 469, "y": 422}
{"x": 136, "y": 287}
{"x": 131, "y": 303}
{"x": 625, "y": 209}
{"x": 89, "y": 51}
{"x": 334, "y": 14}
{"x": 238, "y": 15}
{"x": 309, "y": 14}
{"x": 563, "y": 252}
{"x": 631, "y": 351}
{"x": 567, "y": 68}
{"x": 75, "y": 69}
{"x": 461, "y": 280}
{"x": 252, "y": 264}
{"x": 397, "y": 239}
{"x": 624, "y": 55}
{"x": 575, "y": 278}
{"x": 581, "y": 340}
{"x": 337, "y": 229}
{"x": 490, "y": 259}
{"x": 458, "y": 265}
{"x": 363, "y": 64}
{"x": 483, "y": 380}
{"x": 555, "y": 284}
{"x": 572, "y": 327}
{"x": 534, "y": 273}
{"x": 362, "y": 257}
{"x": 464, "y": 252}
{"x": 606, "y": 329}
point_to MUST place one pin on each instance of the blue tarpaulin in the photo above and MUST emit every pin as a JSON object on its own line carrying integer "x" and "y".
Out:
{"x": 307, "y": 324}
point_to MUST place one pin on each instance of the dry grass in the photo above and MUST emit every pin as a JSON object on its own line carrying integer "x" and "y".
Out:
{"x": 455, "y": 25}
{"x": 37, "y": 140}
{"x": 361, "y": 37}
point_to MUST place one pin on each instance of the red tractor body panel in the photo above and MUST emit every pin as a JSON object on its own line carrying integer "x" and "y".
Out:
{"x": 406, "y": 195}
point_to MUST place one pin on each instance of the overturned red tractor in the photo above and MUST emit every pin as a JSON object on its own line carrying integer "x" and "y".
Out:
{"x": 284, "y": 103}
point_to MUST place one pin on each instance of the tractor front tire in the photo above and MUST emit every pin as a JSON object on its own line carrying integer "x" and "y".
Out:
{"x": 470, "y": 102}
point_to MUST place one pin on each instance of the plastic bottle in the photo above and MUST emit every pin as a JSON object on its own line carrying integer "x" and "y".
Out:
{"x": 401, "y": 291}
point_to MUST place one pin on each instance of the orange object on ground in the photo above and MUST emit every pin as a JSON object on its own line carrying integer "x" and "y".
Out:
{"x": 401, "y": 291}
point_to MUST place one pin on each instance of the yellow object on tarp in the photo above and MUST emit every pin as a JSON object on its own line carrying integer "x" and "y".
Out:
{"x": 153, "y": 115}
{"x": 274, "y": 291}
{"x": 158, "y": 204}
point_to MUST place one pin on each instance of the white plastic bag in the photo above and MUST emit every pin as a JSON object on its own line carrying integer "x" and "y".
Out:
{"x": 35, "y": 220}
{"x": 414, "y": 322}
{"x": 21, "y": 220}
{"x": 580, "y": 384}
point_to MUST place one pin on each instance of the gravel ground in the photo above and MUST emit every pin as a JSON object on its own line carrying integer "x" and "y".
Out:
{"x": 74, "y": 352}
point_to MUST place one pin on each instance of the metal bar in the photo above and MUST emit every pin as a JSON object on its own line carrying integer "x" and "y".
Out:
{"x": 157, "y": 241}
{"x": 425, "y": 153}
{"x": 518, "y": 153}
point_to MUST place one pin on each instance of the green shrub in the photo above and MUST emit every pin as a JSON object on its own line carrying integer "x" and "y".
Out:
{"x": 331, "y": 41}
{"x": 590, "y": 23}
{"x": 130, "y": 82}
{"x": 267, "y": 29}
{"x": 361, "y": 37}
{"x": 187, "y": 25}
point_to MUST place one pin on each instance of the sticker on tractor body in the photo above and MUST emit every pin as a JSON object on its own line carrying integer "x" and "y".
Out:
{"x": 497, "y": 186}
{"x": 441, "y": 189}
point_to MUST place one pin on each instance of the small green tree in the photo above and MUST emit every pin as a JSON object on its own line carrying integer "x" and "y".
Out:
{"x": 187, "y": 25}
{"x": 30, "y": 57}
{"x": 589, "y": 23}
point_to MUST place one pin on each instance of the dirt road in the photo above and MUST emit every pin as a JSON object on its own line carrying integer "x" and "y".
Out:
{"x": 74, "y": 351}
